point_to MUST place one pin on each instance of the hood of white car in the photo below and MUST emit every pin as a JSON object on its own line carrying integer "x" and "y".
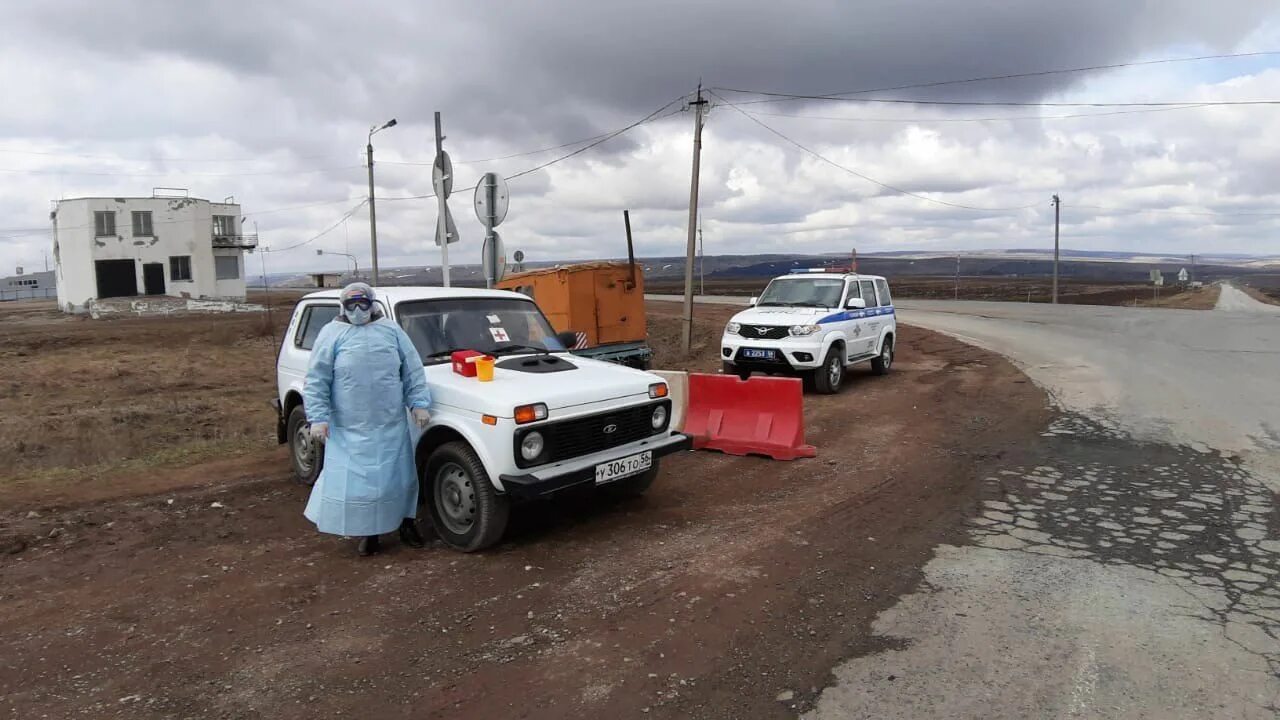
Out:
{"x": 589, "y": 381}
{"x": 772, "y": 315}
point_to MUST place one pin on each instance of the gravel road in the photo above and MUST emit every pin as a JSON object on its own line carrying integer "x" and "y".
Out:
{"x": 1131, "y": 570}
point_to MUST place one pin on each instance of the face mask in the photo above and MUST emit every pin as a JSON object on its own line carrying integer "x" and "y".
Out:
{"x": 359, "y": 316}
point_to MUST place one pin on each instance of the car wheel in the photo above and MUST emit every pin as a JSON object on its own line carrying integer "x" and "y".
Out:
{"x": 828, "y": 376}
{"x": 634, "y": 486}
{"x": 306, "y": 454}
{"x": 729, "y": 368}
{"x": 881, "y": 364}
{"x": 468, "y": 513}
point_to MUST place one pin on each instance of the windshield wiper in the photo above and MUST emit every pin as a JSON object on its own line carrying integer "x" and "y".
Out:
{"x": 517, "y": 346}
{"x": 442, "y": 353}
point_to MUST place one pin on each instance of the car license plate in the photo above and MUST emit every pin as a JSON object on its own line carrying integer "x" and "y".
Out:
{"x": 755, "y": 354}
{"x": 622, "y": 467}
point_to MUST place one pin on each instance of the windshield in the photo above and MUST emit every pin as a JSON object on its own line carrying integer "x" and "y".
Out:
{"x": 488, "y": 325}
{"x": 803, "y": 291}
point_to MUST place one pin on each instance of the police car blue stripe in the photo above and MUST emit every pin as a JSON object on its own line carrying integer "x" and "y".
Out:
{"x": 856, "y": 314}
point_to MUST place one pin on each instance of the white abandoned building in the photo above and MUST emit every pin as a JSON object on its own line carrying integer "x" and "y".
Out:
{"x": 160, "y": 245}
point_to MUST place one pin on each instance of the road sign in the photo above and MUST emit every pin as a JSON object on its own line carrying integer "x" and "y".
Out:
{"x": 494, "y": 258}
{"x": 492, "y": 200}
{"x": 1183, "y": 275}
{"x": 442, "y": 175}
{"x": 445, "y": 227}
{"x": 519, "y": 256}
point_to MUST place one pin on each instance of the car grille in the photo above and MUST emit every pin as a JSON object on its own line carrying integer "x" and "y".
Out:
{"x": 764, "y": 332}
{"x": 569, "y": 439}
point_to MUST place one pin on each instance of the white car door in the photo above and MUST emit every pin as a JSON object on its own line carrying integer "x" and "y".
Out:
{"x": 870, "y": 322}
{"x": 295, "y": 355}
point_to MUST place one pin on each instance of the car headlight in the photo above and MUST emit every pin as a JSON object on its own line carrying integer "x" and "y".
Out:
{"x": 531, "y": 445}
{"x": 659, "y": 419}
{"x": 803, "y": 330}
{"x": 732, "y": 328}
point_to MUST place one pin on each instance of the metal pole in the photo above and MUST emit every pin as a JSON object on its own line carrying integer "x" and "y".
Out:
{"x": 1057, "y": 208}
{"x": 686, "y": 332}
{"x": 373, "y": 215}
{"x": 957, "y": 297}
{"x": 440, "y": 201}
{"x": 491, "y": 260}
{"x": 631, "y": 250}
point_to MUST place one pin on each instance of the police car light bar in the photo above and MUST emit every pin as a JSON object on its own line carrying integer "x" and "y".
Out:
{"x": 805, "y": 271}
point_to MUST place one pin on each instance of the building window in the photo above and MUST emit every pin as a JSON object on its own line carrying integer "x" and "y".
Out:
{"x": 226, "y": 267}
{"x": 224, "y": 225}
{"x": 180, "y": 268}
{"x": 142, "y": 223}
{"x": 104, "y": 223}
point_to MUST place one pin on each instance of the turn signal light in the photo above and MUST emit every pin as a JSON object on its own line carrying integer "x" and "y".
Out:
{"x": 658, "y": 390}
{"x": 530, "y": 413}
{"x": 488, "y": 420}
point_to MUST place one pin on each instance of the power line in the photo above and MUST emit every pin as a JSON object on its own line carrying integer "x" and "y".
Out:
{"x": 600, "y": 139}
{"x": 1008, "y": 76}
{"x": 18, "y": 233}
{"x": 1172, "y": 211}
{"x": 927, "y": 121}
{"x": 345, "y": 216}
{"x": 180, "y": 172}
{"x": 868, "y": 178}
{"x": 1009, "y": 103}
{"x": 46, "y": 153}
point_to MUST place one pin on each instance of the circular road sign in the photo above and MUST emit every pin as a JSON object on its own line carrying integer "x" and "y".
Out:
{"x": 492, "y": 200}
{"x": 442, "y": 175}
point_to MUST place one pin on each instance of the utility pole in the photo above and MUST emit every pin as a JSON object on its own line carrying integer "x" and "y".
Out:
{"x": 686, "y": 332}
{"x": 373, "y": 215}
{"x": 1193, "y": 267}
{"x": 1057, "y": 212}
{"x": 957, "y": 297}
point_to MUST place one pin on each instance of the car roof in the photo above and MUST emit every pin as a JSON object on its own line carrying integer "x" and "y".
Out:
{"x": 843, "y": 276}
{"x": 399, "y": 293}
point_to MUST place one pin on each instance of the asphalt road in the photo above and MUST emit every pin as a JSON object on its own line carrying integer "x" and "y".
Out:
{"x": 1134, "y": 570}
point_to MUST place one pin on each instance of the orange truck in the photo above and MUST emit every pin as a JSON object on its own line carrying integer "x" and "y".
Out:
{"x": 602, "y": 303}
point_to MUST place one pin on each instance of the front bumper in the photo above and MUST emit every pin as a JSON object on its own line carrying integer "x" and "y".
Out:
{"x": 553, "y": 478}
{"x": 789, "y": 353}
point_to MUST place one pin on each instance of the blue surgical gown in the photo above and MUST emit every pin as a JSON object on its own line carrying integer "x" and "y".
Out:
{"x": 362, "y": 379}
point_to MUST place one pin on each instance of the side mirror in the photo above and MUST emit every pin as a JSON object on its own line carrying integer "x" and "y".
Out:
{"x": 568, "y": 339}
{"x": 753, "y": 300}
{"x": 856, "y": 303}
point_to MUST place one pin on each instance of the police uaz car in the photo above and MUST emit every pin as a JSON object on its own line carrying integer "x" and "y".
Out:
{"x": 815, "y": 324}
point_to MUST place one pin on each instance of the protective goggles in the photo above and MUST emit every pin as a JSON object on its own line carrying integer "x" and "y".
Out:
{"x": 361, "y": 303}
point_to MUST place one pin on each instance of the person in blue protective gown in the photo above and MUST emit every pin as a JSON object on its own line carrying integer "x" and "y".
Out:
{"x": 364, "y": 384}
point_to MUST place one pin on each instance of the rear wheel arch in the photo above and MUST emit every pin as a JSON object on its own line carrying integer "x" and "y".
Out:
{"x": 292, "y": 399}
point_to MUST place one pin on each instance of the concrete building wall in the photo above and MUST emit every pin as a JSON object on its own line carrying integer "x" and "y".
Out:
{"x": 180, "y": 227}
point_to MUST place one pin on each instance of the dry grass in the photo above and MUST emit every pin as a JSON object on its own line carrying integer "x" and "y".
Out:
{"x": 84, "y": 396}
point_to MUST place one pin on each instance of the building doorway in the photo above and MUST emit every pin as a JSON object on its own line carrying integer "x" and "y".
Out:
{"x": 153, "y": 278}
{"x": 116, "y": 278}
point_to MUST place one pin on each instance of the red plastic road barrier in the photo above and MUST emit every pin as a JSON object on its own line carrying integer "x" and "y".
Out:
{"x": 757, "y": 416}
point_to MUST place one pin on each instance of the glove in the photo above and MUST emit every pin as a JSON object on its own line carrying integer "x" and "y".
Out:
{"x": 421, "y": 417}
{"x": 320, "y": 431}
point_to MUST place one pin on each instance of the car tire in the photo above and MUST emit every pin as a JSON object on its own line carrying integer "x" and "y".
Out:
{"x": 634, "y": 486}
{"x": 829, "y": 376}
{"x": 881, "y": 363}
{"x": 306, "y": 455}
{"x": 467, "y": 512}
{"x": 729, "y": 368}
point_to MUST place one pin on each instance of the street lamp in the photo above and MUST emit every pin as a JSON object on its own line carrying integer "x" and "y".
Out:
{"x": 354, "y": 263}
{"x": 373, "y": 218}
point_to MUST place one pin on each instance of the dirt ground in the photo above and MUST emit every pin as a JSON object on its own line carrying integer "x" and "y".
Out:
{"x": 196, "y": 589}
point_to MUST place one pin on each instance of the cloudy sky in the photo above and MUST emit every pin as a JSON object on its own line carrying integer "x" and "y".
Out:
{"x": 272, "y": 105}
